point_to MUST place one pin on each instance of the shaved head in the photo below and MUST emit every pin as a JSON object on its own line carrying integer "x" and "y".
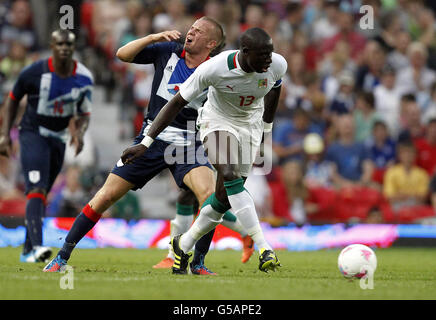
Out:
{"x": 256, "y": 47}
{"x": 217, "y": 34}
{"x": 254, "y": 38}
{"x": 62, "y": 34}
{"x": 63, "y": 44}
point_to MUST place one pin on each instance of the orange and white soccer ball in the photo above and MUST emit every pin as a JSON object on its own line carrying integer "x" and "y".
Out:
{"x": 356, "y": 261}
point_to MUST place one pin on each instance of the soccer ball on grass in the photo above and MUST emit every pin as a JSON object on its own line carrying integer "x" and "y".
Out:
{"x": 356, "y": 261}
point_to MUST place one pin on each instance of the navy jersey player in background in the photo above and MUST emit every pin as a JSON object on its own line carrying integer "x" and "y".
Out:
{"x": 174, "y": 62}
{"x": 58, "y": 91}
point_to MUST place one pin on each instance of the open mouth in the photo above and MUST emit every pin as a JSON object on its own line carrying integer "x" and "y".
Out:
{"x": 188, "y": 40}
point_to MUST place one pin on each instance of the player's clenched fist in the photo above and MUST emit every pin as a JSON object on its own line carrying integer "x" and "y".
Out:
{"x": 133, "y": 152}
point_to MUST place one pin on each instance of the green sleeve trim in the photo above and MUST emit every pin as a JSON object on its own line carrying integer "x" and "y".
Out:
{"x": 231, "y": 63}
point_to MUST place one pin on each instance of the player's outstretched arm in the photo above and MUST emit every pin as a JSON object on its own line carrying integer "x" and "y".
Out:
{"x": 9, "y": 115}
{"x": 81, "y": 124}
{"x": 162, "y": 120}
{"x": 129, "y": 51}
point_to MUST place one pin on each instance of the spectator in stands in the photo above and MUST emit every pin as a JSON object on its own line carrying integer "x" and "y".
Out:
{"x": 365, "y": 116}
{"x": 317, "y": 100}
{"x": 417, "y": 78}
{"x": 288, "y": 145}
{"x": 343, "y": 102}
{"x": 391, "y": 25}
{"x": 426, "y": 149}
{"x": 382, "y": 150}
{"x": 288, "y": 137}
{"x": 293, "y": 20}
{"x": 231, "y": 16}
{"x": 13, "y": 63}
{"x": 318, "y": 170}
{"x": 351, "y": 159}
{"x": 410, "y": 119}
{"x": 332, "y": 67}
{"x": 18, "y": 28}
{"x": 174, "y": 17}
{"x": 424, "y": 31}
{"x": 406, "y": 184}
{"x": 294, "y": 79}
{"x": 398, "y": 57}
{"x": 387, "y": 100}
{"x": 369, "y": 73}
{"x": 254, "y": 16}
{"x": 326, "y": 26}
{"x": 347, "y": 34}
{"x": 429, "y": 105}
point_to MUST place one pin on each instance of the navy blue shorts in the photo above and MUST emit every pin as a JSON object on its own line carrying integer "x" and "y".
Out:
{"x": 41, "y": 159}
{"x": 162, "y": 155}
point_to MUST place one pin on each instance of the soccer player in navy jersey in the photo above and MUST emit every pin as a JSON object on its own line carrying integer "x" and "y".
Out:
{"x": 174, "y": 62}
{"x": 58, "y": 90}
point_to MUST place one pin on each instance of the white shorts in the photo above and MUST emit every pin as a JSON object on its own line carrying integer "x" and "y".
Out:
{"x": 249, "y": 135}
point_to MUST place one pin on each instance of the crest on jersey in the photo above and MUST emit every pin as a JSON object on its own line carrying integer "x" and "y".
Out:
{"x": 173, "y": 88}
{"x": 262, "y": 83}
{"x": 34, "y": 176}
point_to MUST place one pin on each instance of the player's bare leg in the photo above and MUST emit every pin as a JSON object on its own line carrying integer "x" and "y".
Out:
{"x": 113, "y": 189}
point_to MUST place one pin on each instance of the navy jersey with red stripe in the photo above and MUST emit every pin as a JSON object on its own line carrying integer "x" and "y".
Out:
{"x": 170, "y": 72}
{"x": 52, "y": 100}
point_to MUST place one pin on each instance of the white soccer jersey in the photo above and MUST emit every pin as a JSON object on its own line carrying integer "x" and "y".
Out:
{"x": 233, "y": 93}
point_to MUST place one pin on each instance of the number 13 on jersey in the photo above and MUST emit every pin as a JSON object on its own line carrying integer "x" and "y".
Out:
{"x": 245, "y": 101}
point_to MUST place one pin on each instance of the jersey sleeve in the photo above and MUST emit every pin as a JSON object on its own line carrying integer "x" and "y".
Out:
{"x": 150, "y": 53}
{"x": 21, "y": 86}
{"x": 84, "y": 107}
{"x": 198, "y": 81}
{"x": 280, "y": 69}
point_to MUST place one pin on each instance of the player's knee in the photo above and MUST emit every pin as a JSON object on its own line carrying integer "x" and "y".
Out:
{"x": 205, "y": 192}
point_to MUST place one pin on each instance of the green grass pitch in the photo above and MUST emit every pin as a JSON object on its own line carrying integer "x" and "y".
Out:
{"x": 402, "y": 273}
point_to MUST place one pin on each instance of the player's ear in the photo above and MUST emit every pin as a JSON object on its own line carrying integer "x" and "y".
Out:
{"x": 212, "y": 44}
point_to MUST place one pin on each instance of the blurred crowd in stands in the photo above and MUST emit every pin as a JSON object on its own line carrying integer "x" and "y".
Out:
{"x": 355, "y": 133}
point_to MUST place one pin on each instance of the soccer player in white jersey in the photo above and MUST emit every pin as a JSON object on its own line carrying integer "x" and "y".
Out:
{"x": 244, "y": 88}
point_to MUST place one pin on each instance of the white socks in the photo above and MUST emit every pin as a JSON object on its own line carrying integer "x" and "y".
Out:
{"x": 234, "y": 224}
{"x": 180, "y": 224}
{"x": 244, "y": 209}
{"x": 208, "y": 219}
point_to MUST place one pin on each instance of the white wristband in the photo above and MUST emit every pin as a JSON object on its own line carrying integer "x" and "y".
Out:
{"x": 147, "y": 141}
{"x": 267, "y": 127}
